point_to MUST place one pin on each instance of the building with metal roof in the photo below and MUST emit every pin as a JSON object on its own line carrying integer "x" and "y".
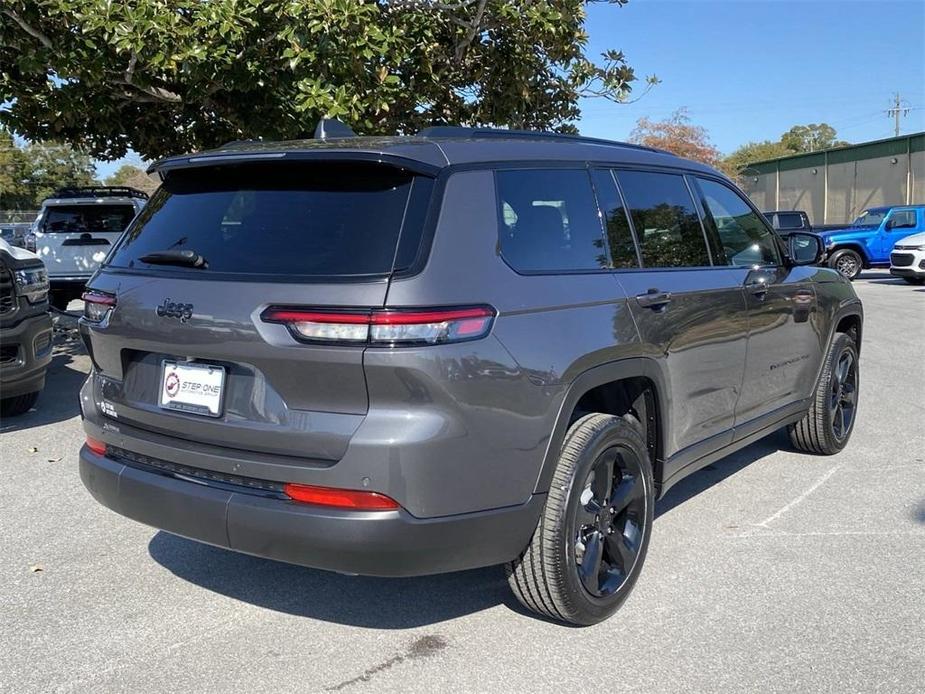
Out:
{"x": 833, "y": 186}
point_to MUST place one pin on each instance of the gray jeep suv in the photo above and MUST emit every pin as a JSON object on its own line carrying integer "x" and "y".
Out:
{"x": 408, "y": 355}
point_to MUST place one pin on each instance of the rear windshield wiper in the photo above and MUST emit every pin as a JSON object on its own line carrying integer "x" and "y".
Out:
{"x": 186, "y": 258}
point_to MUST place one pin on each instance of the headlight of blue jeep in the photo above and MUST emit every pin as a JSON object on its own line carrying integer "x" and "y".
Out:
{"x": 32, "y": 283}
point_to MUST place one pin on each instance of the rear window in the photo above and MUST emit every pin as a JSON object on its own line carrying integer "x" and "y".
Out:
{"x": 789, "y": 220}
{"x": 308, "y": 220}
{"x": 81, "y": 219}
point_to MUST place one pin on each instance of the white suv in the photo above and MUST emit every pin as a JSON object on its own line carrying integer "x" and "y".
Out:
{"x": 74, "y": 231}
{"x": 908, "y": 259}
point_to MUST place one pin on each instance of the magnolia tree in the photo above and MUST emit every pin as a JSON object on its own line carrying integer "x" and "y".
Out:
{"x": 162, "y": 76}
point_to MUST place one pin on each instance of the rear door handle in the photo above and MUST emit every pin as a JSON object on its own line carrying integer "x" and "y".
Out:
{"x": 654, "y": 299}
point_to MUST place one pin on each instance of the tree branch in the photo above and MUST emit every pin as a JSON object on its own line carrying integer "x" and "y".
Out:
{"x": 156, "y": 94}
{"x": 29, "y": 29}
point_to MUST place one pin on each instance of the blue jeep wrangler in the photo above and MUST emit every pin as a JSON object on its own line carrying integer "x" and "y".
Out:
{"x": 870, "y": 238}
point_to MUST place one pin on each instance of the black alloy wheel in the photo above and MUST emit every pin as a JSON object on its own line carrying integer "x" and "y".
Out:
{"x": 844, "y": 389}
{"x": 609, "y": 519}
{"x": 590, "y": 544}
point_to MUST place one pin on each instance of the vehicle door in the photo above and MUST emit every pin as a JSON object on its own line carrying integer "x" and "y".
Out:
{"x": 785, "y": 337}
{"x": 74, "y": 238}
{"x": 691, "y": 315}
{"x": 898, "y": 225}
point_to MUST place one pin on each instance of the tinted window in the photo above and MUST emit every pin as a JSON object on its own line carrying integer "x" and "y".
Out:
{"x": 616, "y": 223}
{"x": 549, "y": 220}
{"x": 81, "y": 219}
{"x": 745, "y": 238}
{"x": 903, "y": 219}
{"x": 665, "y": 219}
{"x": 789, "y": 220}
{"x": 290, "y": 219}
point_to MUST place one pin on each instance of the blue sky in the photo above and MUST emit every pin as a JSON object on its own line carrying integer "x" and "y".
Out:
{"x": 750, "y": 69}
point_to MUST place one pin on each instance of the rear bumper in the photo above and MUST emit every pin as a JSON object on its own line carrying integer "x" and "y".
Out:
{"x": 383, "y": 543}
{"x": 32, "y": 340}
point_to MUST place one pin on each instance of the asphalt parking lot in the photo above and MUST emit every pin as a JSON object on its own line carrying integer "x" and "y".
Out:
{"x": 769, "y": 571}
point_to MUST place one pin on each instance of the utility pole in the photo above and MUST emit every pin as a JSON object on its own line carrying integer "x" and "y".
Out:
{"x": 898, "y": 107}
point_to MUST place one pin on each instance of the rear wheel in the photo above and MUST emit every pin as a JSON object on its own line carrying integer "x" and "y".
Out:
{"x": 10, "y": 407}
{"x": 828, "y": 424}
{"x": 591, "y": 541}
{"x": 848, "y": 263}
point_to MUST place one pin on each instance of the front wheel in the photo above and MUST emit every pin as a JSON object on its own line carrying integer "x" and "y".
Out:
{"x": 828, "y": 424}
{"x": 18, "y": 404}
{"x": 848, "y": 263}
{"x": 591, "y": 541}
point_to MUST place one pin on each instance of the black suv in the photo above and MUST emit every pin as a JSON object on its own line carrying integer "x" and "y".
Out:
{"x": 25, "y": 329}
{"x": 408, "y": 355}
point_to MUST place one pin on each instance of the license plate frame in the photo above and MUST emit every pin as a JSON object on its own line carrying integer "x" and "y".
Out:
{"x": 195, "y": 388}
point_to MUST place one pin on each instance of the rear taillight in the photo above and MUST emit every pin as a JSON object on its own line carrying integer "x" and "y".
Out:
{"x": 97, "y": 305}
{"x": 385, "y": 326}
{"x": 340, "y": 498}
{"x": 96, "y": 446}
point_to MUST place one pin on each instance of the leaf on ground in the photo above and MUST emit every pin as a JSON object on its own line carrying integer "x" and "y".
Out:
{"x": 36, "y": 568}
{"x": 54, "y": 460}
{"x": 33, "y": 449}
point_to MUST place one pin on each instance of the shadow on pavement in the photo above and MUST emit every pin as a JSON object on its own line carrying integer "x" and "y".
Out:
{"x": 59, "y": 399}
{"x": 716, "y": 472}
{"x": 376, "y": 603}
{"x": 385, "y": 603}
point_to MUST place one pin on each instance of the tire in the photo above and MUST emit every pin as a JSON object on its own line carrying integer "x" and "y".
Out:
{"x": 847, "y": 263}
{"x": 18, "y": 404}
{"x": 571, "y": 537}
{"x": 823, "y": 430}
{"x": 915, "y": 280}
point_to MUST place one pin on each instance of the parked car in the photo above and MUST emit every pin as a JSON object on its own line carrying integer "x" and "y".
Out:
{"x": 908, "y": 259}
{"x": 403, "y": 356}
{"x": 74, "y": 231}
{"x": 868, "y": 242}
{"x": 25, "y": 329}
{"x": 14, "y": 233}
{"x": 785, "y": 221}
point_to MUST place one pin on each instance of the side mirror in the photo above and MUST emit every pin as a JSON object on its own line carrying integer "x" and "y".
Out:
{"x": 804, "y": 249}
{"x": 890, "y": 223}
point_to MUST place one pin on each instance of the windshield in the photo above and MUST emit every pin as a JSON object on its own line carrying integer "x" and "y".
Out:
{"x": 80, "y": 219}
{"x": 870, "y": 218}
{"x": 275, "y": 219}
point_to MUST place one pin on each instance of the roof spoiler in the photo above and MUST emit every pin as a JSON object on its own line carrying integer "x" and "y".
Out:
{"x": 332, "y": 128}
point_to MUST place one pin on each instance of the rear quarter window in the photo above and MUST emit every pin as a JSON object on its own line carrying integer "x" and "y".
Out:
{"x": 549, "y": 221}
{"x": 300, "y": 220}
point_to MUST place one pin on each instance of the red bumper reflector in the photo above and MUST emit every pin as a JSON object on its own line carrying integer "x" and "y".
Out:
{"x": 96, "y": 446}
{"x": 340, "y": 498}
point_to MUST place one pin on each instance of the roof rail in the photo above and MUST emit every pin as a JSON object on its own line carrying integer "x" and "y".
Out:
{"x": 467, "y": 132}
{"x": 98, "y": 192}
{"x": 234, "y": 143}
{"x": 332, "y": 128}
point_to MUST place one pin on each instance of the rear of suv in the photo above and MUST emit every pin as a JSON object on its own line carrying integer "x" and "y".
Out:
{"x": 402, "y": 356}
{"x": 75, "y": 230}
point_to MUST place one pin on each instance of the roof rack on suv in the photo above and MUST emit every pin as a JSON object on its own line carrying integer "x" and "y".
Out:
{"x": 98, "y": 192}
{"x": 468, "y": 132}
